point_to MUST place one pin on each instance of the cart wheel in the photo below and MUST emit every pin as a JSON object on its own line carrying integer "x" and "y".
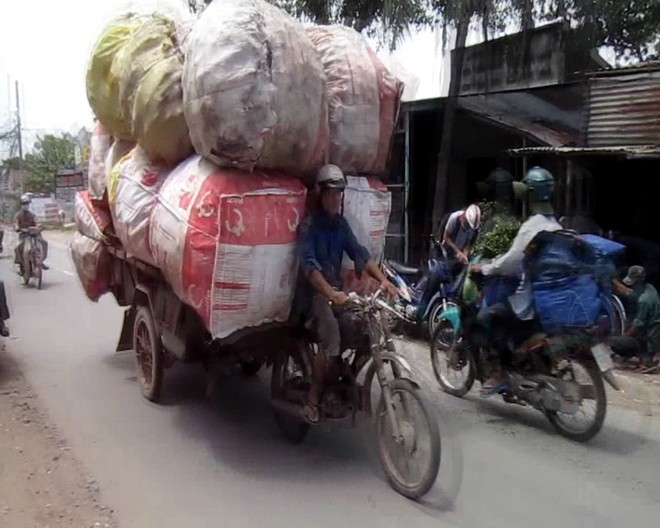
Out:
{"x": 148, "y": 354}
{"x": 251, "y": 368}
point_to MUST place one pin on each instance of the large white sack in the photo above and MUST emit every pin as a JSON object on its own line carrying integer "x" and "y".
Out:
{"x": 226, "y": 242}
{"x": 93, "y": 265}
{"x": 134, "y": 185}
{"x": 91, "y": 218}
{"x": 254, "y": 89}
{"x": 363, "y": 99}
{"x": 367, "y": 207}
{"x": 98, "y": 152}
{"x": 410, "y": 81}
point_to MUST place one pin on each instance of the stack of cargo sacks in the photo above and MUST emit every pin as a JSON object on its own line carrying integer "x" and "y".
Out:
{"x": 265, "y": 102}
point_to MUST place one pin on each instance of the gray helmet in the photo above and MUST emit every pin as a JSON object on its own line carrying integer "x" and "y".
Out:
{"x": 541, "y": 184}
{"x": 330, "y": 177}
{"x": 499, "y": 176}
{"x": 25, "y": 200}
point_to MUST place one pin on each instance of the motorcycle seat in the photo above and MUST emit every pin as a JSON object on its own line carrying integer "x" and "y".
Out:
{"x": 403, "y": 270}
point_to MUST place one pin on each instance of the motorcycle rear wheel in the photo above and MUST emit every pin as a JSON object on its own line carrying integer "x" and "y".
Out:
{"x": 405, "y": 396}
{"x": 560, "y": 421}
{"x": 287, "y": 367}
{"x": 27, "y": 272}
{"x": 442, "y": 342}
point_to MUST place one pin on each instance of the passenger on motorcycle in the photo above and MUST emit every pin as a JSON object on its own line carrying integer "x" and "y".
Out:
{"x": 520, "y": 304}
{"x": 324, "y": 238}
{"x": 460, "y": 233}
{"x": 458, "y": 236}
{"x": 23, "y": 220}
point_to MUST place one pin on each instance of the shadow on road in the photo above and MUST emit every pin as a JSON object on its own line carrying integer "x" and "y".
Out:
{"x": 610, "y": 439}
{"x": 236, "y": 423}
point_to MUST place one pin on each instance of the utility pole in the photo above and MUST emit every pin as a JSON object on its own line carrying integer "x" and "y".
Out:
{"x": 19, "y": 136}
{"x": 19, "y": 133}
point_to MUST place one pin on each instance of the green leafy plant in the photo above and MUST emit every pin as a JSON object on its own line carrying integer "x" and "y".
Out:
{"x": 498, "y": 230}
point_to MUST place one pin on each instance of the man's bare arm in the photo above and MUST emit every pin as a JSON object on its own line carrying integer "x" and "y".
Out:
{"x": 374, "y": 271}
{"x": 321, "y": 285}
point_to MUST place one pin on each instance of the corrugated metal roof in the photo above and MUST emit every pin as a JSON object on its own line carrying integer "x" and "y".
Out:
{"x": 549, "y": 115}
{"x": 624, "y": 108}
{"x": 623, "y": 151}
{"x": 536, "y": 117}
{"x": 635, "y": 68}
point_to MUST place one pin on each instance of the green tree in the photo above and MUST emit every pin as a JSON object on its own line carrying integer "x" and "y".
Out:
{"x": 51, "y": 153}
{"x": 11, "y": 163}
{"x": 630, "y": 27}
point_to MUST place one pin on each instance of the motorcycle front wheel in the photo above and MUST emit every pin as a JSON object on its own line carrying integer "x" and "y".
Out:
{"x": 411, "y": 461}
{"x": 451, "y": 362}
{"x": 587, "y": 420}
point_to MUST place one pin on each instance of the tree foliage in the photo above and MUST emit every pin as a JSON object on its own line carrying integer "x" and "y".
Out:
{"x": 11, "y": 163}
{"x": 51, "y": 153}
{"x": 386, "y": 20}
{"x": 630, "y": 27}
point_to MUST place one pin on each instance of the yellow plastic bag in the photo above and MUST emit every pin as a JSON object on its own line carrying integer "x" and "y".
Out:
{"x": 102, "y": 79}
{"x": 149, "y": 68}
{"x": 113, "y": 178}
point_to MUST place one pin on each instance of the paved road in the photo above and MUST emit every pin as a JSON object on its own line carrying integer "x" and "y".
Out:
{"x": 220, "y": 461}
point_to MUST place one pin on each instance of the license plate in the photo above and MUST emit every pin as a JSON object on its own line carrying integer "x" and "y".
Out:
{"x": 603, "y": 356}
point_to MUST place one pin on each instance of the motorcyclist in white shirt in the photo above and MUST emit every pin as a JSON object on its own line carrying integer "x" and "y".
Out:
{"x": 540, "y": 183}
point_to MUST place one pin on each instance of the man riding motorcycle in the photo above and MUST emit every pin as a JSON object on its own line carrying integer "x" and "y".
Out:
{"x": 540, "y": 183}
{"x": 324, "y": 238}
{"x": 23, "y": 220}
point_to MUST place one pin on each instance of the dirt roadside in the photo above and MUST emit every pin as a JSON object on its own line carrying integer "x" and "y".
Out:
{"x": 42, "y": 484}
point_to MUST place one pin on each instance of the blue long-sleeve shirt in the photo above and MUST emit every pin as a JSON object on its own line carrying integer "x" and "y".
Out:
{"x": 323, "y": 241}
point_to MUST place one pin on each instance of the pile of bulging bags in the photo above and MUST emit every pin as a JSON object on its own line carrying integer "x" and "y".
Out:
{"x": 207, "y": 131}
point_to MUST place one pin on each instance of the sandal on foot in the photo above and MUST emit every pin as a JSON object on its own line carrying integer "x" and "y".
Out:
{"x": 488, "y": 390}
{"x": 311, "y": 413}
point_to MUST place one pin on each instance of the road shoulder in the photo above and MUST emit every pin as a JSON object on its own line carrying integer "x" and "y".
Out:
{"x": 41, "y": 481}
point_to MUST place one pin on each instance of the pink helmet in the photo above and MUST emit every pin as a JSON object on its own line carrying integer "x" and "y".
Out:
{"x": 473, "y": 216}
